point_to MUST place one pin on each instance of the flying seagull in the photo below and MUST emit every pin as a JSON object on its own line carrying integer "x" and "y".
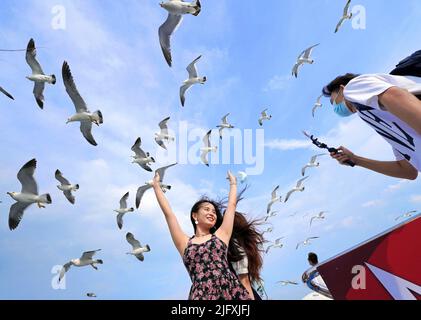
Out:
{"x": 345, "y": 16}
{"x": 274, "y": 199}
{"x": 148, "y": 185}
{"x": 207, "y": 148}
{"x": 176, "y": 9}
{"x": 264, "y": 116}
{"x": 298, "y": 187}
{"x": 312, "y": 164}
{"x": 38, "y": 76}
{"x": 163, "y": 135}
{"x": 268, "y": 230}
{"x": 288, "y": 282}
{"x": 306, "y": 242}
{"x": 304, "y": 57}
{"x": 85, "y": 260}
{"x": 271, "y": 215}
{"x": 83, "y": 115}
{"x": 320, "y": 216}
{"x": 138, "y": 250}
{"x": 66, "y": 187}
{"x": 224, "y": 125}
{"x": 276, "y": 244}
{"x": 7, "y": 94}
{"x": 406, "y": 215}
{"x": 28, "y": 195}
{"x": 318, "y": 104}
{"x": 123, "y": 210}
{"x": 192, "y": 80}
{"x": 141, "y": 158}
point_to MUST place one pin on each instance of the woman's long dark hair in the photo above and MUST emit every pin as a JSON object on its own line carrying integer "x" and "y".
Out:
{"x": 245, "y": 234}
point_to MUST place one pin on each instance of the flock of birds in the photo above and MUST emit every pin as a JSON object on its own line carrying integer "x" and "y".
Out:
{"x": 29, "y": 194}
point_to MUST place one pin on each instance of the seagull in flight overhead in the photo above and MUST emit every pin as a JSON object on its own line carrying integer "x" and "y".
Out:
{"x": 345, "y": 16}
{"x": 303, "y": 58}
{"x": 123, "y": 210}
{"x": 38, "y": 76}
{"x": 163, "y": 135}
{"x": 224, "y": 125}
{"x": 138, "y": 249}
{"x": 148, "y": 185}
{"x": 207, "y": 148}
{"x": 273, "y": 200}
{"x": 312, "y": 164}
{"x": 141, "y": 157}
{"x": 320, "y": 216}
{"x": 306, "y": 242}
{"x": 288, "y": 282}
{"x": 192, "y": 80}
{"x": 298, "y": 187}
{"x": 28, "y": 195}
{"x": 318, "y": 104}
{"x": 264, "y": 116}
{"x": 176, "y": 9}
{"x": 85, "y": 260}
{"x": 83, "y": 115}
{"x": 276, "y": 244}
{"x": 66, "y": 187}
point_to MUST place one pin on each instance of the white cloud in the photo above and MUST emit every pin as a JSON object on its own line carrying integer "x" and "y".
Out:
{"x": 373, "y": 203}
{"x": 285, "y": 144}
{"x": 397, "y": 186}
{"x": 416, "y": 198}
{"x": 278, "y": 83}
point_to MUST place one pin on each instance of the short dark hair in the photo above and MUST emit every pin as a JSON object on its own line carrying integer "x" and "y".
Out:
{"x": 312, "y": 257}
{"x": 337, "y": 83}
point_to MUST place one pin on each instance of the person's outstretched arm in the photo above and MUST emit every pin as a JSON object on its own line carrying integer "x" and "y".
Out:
{"x": 179, "y": 238}
{"x": 396, "y": 169}
{"x": 225, "y": 230}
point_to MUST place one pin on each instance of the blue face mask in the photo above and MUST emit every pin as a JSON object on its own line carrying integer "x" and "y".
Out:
{"x": 342, "y": 110}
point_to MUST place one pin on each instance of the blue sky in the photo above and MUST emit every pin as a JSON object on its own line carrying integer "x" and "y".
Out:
{"x": 248, "y": 50}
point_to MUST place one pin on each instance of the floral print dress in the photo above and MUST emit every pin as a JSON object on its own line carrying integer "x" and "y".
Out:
{"x": 212, "y": 278}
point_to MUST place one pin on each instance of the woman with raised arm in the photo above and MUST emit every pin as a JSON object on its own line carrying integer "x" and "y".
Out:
{"x": 205, "y": 255}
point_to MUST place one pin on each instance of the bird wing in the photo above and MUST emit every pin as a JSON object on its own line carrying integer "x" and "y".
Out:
{"x": 191, "y": 68}
{"x": 26, "y": 178}
{"x": 347, "y": 8}
{"x": 120, "y": 220}
{"x": 274, "y": 193}
{"x": 303, "y": 170}
{"x": 39, "y": 93}
{"x": 225, "y": 119}
{"x": 300, "y": 182}
{"x": 88, "y": 255}
{"x": 63, "y": 271}
{"x": 137, "y": 150}
{"x": 6, "y": 93}
{"x": 16, "y": 214}
{"x": 289, "y": 194}
{"x": 203, "y": 157}
{"x": 206, "y": 139}
{"x": 139, "y": 195}
{"x": 161, "y": 171}
{"x": 295, "y": 69}
{"x": 61, "y": 179}
{"x": 165, "y": 32}
{"x": 68, "y": 194}
{"x": 140, "y": 257}
{"x": 131, "y": 239}
{"x": 307, "y": 52}
{"x": 123, "y": 201}
{"x": 71, "y": 89}
{"x": 163, "y": 126}
{"x": 339, "y": 24}
{"x": 183, "y": 90}
{"x": 31, "y": 54}
{"x": 86, "y": 129}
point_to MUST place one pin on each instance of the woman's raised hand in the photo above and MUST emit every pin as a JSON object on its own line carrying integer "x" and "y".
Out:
{"x": 232, "y": 179}
{"x": 157, "y": 180}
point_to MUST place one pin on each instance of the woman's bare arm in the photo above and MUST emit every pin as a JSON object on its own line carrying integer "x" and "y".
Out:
{"x": 179, "y": 238}
{"x": 225, "y": 230}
